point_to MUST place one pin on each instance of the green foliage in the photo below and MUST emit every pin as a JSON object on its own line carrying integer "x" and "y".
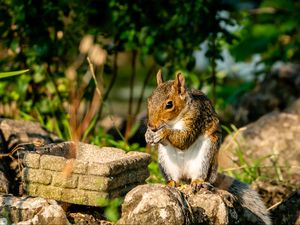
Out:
{"x": 111, "y": 211}
{"x": 155, "y": 175}
{"x": 271, "y": 29}
{"x": 11, "y": 74}
{"x": 138, "y": 26}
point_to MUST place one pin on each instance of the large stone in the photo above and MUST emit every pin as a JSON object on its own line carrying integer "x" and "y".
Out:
{"x": 155, "y": 204}
{"x": 31, "y": 211}
{"x": 15, "y": 132}
{"x": 16, "y": 138}
{"x": 274, "y": 139}
{"x": 160, "y": 204}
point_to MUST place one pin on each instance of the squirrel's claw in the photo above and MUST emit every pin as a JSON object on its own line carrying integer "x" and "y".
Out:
{"x": 172, "y": 183}
{"x": 198, "y": 184}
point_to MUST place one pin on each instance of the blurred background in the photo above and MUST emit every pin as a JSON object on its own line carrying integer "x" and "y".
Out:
{"x": 92, "y": 64}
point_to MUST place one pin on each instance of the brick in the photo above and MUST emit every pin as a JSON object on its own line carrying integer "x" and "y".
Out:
{"x": 32, "y": 160}
{"x": 100, "y": 169}
{"x": 37, "y": 176}
{"x": 93, "y": 183}
{"x": 49, "y": 192}
{"x": 129, "y": 177}
{"x": 96, "y": 198}
{"x": 31, "y": 189}
{"x": 129, "y": 161}
{"x": 50, "y": 162}
{"x": 59, "y": 180}
{"x": 80, "y": 167}
{"x": 74, "y": 196}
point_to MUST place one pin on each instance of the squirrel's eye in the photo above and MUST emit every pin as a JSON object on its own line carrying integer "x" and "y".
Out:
{"x": 169, "y": 105}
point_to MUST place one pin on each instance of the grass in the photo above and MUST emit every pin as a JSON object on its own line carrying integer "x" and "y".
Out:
{"x": 251, "y": 168}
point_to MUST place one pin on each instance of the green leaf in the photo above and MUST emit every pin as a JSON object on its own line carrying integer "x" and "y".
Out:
{"x": 13, "y": 73}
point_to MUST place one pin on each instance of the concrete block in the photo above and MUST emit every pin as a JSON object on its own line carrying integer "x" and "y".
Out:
{"x": 32, "y": 160}
{"x": 59, "y": 180}
{"x": 50, "y": 162}
{"x": 37, "y": 175}
{"x": 93, "y": 183}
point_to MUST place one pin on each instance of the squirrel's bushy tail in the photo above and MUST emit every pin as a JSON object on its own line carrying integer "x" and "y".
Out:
{"x": 250, "y": 200}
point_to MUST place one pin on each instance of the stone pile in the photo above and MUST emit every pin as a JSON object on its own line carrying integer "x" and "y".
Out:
{"x": 81, "y": 173}
{"x": 30, "y": 211}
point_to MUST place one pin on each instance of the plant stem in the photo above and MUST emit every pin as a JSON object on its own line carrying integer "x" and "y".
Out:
{"x": 146, "y": 80}
{"x": 130, "y": 103}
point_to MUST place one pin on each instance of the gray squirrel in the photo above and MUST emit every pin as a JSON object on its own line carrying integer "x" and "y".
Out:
{"x": 186, "y": 128}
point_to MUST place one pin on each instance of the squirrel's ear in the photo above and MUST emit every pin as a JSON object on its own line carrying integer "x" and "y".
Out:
{"x": 159, "y": 79}
{"x": 179, "y": 82}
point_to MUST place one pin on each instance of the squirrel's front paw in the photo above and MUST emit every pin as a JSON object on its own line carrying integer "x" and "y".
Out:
{"x": 154, "y": 137}
{"x": 149, "y": 136}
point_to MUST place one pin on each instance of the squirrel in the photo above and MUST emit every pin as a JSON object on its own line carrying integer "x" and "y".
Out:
{"x": 186, "y": 128}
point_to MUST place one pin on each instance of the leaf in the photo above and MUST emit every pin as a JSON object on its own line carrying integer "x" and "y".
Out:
{"x": 13, "y": 73}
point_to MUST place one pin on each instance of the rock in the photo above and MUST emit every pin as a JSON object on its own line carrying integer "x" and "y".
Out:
{"x": 81, "y": 173}
{"x": 86, "y": 219}
{"x": 15, "y": 136}
{"x": 268, "y": 140}
{"x": 160, "y": 204}
{"x": 4, "y": 185}
{"x": 207, "y": 207}
{"x": 288, "y": 211}
{"x": 272, "y": 192}
{"x": 14, "y": 132}
{"x": 155, "y": 204}
{"x": 31, "y": 211}
{"x": 265, "y": 97}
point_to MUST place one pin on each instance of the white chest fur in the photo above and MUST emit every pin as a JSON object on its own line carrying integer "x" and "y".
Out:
{"x": 188, "y": 164}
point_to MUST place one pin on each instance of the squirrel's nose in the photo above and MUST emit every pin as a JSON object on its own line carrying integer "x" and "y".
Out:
{"x": 152, "y": 128}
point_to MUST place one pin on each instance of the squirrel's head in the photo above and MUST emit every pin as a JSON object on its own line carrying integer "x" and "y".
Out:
{"x": 166, "y": 102}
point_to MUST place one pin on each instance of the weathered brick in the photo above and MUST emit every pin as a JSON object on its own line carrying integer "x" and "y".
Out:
{"x": 93, "y": 183}
{"x": 31, "y": 189}
{"x": 32, "y": 160}
{"x": 128, "y": 177}
{"x": 96, "y": 198}
{"x": 129, "y": 161}
{"x": 49, "y": 192}
{"x": 74, "y": 196}
{"x": 51, "y": 162}
{"x": 80, "y": 167}
{"x": 100, "y": 169}
{"x": 37, "y": 175}
{"x": 59, "y": 180}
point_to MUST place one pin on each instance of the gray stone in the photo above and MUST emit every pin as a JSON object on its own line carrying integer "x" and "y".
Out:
{"x": 160, "y": 204}
{"x": 274, "y": 138}
{"x": 26, "y": 132}
{"x": 155, "y": 204}
{"x": 33, "y": 211}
